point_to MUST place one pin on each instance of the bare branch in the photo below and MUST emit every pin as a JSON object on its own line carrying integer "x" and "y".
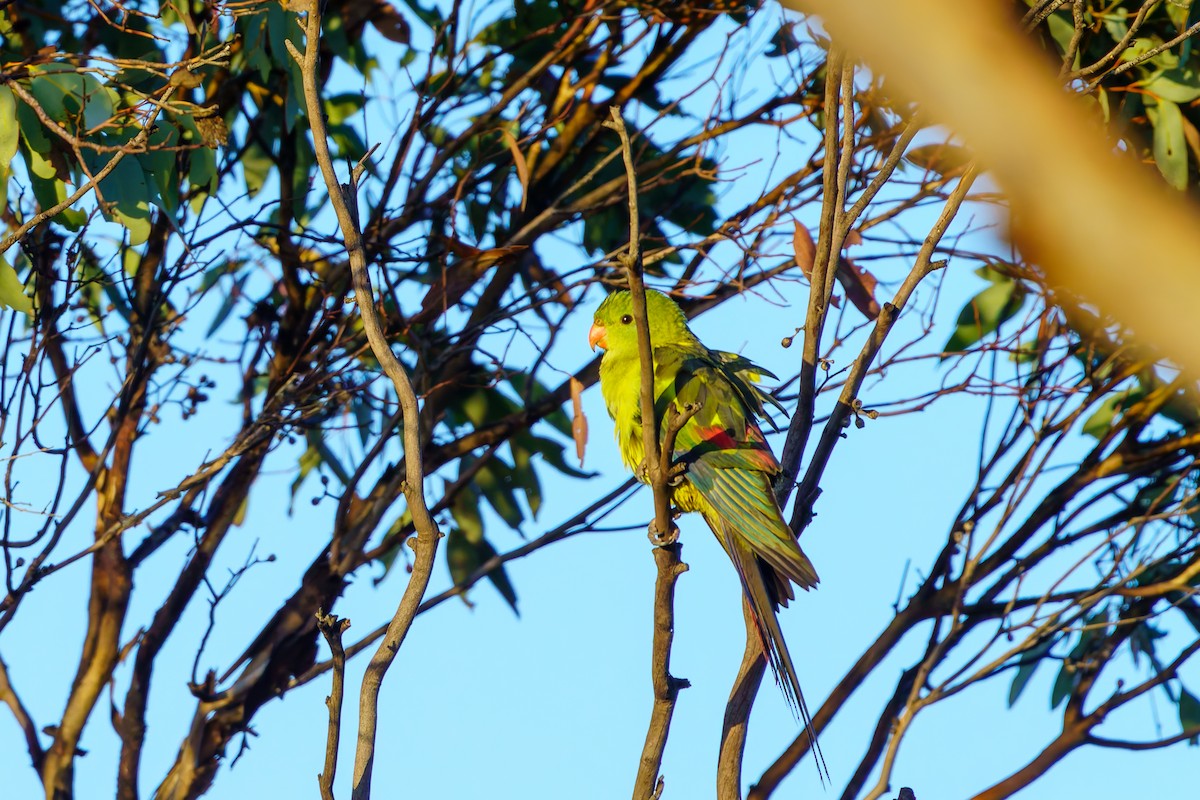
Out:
{"x": 666, "y": 686}
{"x": 332, "y": 628}
{"x": 737, "y": 712}
{"x": 9, "y": 696}
{"x": 663, "y": 532}
{"x": 345, "y": 204}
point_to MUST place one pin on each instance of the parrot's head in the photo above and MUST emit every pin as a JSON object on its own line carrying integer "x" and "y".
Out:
{"x": 614, "y": 331}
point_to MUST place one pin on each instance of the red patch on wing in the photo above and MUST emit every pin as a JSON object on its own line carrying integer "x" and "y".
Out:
{"x": 721, "y": 438}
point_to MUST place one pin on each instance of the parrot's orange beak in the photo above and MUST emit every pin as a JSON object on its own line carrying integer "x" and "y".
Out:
{"x": 598, "y": 336}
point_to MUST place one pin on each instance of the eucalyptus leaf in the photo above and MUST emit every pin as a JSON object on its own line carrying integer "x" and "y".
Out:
{"x": 1170, "y": 145}
{"x": 12, "y": 291}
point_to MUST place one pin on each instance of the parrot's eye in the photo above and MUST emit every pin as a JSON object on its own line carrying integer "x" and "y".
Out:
{"x": 625, "y": 320}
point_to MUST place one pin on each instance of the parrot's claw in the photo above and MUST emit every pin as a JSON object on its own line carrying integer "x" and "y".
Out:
{"x": 677, "y": 474}
{"x": 674, "y": 477}
{"x": 662, "y": 539}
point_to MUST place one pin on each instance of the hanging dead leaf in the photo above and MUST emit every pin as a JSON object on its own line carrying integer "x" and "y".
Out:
{"x": 388, "y": 21}
{"x": 579, "y": 426}
{"x": 519, "y": 161}
{"x": 804, "y": 248}
{"x": 860, "y": 287}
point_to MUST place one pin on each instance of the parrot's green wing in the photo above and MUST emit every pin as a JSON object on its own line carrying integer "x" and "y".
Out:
{"x": 727, "y": 458}
{"x": 728, "y": 480}
{"x": 741, "y": 369}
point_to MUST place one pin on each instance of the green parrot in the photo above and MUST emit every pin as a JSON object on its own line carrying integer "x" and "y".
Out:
{"x": 728, "y": 464}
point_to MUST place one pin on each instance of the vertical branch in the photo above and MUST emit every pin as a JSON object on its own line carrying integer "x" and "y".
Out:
{"x": 345, "y": 205}
{"x": 663, "y": 531}
{"x": 649, "y": 784}
{"x": 663, "y": 526}
{"x": 737, "y": 713}
{"x": 332, "y": 628}
{"x": 835, "y": 170}
{"x": 834, "y": 224}
{"x": 806, "y": 496}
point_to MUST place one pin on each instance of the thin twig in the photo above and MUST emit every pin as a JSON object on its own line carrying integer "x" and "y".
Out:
{"x": 332, "y": 628}
{"x": 1152, "y": 52}
{"x": 567, "y": 529}
{"x": 9, "y": 696}
{"x": 663, "y": 526}
{"x": 345, "y": 203}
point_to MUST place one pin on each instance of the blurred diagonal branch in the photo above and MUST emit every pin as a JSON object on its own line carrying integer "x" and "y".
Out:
{"x": 1007, "y": 117}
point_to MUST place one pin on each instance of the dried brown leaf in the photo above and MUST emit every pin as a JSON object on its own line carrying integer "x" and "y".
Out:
{"x": 519, "y": 161}
{"x": 804, "y": 248}
{"x": 860, "y": 287}
{"x": 579, "y": 426}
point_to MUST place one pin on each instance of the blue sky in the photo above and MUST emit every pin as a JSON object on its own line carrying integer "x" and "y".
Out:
{"x": 554, "y": 704}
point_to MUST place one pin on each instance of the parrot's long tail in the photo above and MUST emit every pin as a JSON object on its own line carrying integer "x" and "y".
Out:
{"x": 762, "y": 608}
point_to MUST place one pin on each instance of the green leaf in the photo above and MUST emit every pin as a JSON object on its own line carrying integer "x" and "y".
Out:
{"x": 1115, "y": 23}
{"x": 525, "y": 473}
{"x": 127, "y": 199}
{"x": 1175, "y": 85}
{"x": 159, "y": 165}
{"x": 363, "y": 416}
{"x": 1068, "y": 675}
{"x": 1062, "y": 30}
{"x": 341, "y": 107}
{"x": 1063, "y": 684}
{"x": 1170, "y": 146}
{"x": 1189, "y": 711}
{"x": 552, "y": 452}
{"x": 1158, "y": 495}
{"x": 12, "y": 291}
{"x": 10, "y": 137}
{"x": 227, "y": 304}
{"x": 1029, "y": 661}
{"x": 256, "y": 166}
{"x": 986, "y": 311}
{"x": 32, "y": 132}
{"x": 460, "y": 556}
{"x": 525, "y": 386}
{"x": 465, "y": 511}
{"x": 1143, "y": 636}
{"x": 1101, "y": 420}
{"x": 1140, "y": 46}
{"x": 308, "y": 460}
{"x": 49, "y": 191}
{"x": 77, "y": 101}
{"x": 496, "y": 480}
{"x": 464, "y": 557}
{"x": 945, "y": 158}
{"x": 498, "y": 576}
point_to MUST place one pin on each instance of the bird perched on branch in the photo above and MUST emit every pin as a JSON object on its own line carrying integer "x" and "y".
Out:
{"x": 722, "y": 465}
